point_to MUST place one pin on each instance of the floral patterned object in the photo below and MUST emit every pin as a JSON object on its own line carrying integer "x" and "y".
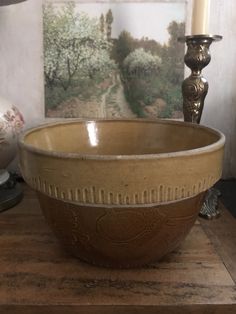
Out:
{"x": 11, "y": 125}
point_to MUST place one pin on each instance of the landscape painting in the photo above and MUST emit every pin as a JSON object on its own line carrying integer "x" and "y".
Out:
{"x": 113, "y": 59}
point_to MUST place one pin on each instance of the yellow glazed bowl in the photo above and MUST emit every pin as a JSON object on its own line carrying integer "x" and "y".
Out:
{"x": 121, "y": 193}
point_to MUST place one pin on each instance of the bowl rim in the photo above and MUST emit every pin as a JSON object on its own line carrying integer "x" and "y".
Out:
{"x": 196, "y": 151}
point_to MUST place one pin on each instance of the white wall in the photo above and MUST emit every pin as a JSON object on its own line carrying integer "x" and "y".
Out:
{"x": 220, "y": 105}
{"x": 21, "y": 68}
{"x": 21, "y": 58}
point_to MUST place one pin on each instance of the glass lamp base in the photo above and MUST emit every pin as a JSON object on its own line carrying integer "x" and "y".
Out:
{"x": 4, "y": 176}
{"x": 10, "y": 193}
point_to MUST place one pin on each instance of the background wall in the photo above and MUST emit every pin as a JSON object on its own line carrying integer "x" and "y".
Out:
{"x": 21, "y": 67}
{"x": 220, "y": 105}
{"x": 21, "y": 58}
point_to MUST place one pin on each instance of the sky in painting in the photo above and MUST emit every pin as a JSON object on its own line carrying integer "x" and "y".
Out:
{"x": 140, "y": 19}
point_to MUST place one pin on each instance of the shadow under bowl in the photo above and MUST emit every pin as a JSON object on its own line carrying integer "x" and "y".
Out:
{"x": 121, "y": 193}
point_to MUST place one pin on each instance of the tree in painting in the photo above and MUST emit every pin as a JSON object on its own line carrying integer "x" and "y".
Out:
{"x": 109, "y": 20}
{"x": 75, "y": 49}
{"x": 141, "y": 63}
{"x": 152, "y": 74}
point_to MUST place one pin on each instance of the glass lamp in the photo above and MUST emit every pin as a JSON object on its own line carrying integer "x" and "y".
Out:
{"x": 11, "y": 124}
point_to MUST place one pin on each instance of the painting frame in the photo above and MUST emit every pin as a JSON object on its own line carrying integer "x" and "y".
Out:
{"x": 188, "y": 5}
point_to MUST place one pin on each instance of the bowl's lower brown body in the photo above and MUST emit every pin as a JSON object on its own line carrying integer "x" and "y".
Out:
{"x": 120, "y": 237}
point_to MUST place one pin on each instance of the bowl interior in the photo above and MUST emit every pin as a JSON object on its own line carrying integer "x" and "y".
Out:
{"x": 120, "y": 137}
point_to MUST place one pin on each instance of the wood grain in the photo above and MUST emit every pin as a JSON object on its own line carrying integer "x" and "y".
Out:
{"x": 222, "y": 233}
{"x": 37, "y": 276}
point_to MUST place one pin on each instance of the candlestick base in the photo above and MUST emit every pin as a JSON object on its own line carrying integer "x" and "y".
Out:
{"x": 210, "y": 209}
{"x": 194, "y": 91}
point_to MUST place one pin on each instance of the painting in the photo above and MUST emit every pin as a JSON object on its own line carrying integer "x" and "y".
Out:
{"x": 111, "y": 59}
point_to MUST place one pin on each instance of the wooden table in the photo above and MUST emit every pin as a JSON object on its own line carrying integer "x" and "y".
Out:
{"x": 37, "y": 276}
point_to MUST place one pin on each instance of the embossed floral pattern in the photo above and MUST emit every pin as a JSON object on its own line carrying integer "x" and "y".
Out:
{"x": 14, "y": 119}
{"x": 11, "y": 123}
{"x": 3, "y": 141}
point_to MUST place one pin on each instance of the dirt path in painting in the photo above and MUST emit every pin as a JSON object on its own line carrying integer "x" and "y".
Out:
{"x": 117, "y": 105}
{"x": 103, "y": 106}
{"x": 112, "y": 103}
{"x": 122, "y": 102}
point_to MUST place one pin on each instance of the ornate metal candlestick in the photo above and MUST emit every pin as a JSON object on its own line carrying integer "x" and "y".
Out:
{"x": 194, "y": 90}
{"x": 195, "y": 87}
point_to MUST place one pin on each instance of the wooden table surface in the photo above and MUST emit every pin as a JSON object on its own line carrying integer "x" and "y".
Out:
{"x": 37, "y": 276}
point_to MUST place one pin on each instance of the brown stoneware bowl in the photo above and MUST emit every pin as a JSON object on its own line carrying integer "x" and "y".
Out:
{"x": 121, "y": 193}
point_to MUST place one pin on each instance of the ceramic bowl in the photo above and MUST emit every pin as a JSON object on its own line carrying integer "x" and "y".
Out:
{"x": 121, "y": 193}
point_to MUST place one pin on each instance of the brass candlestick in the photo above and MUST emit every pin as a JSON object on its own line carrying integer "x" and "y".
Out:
{"x": 194, "y": 91}
{"x": 195, "y": 87}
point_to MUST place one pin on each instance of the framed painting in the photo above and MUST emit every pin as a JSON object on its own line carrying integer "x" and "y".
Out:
{"x": 113, "y": 58}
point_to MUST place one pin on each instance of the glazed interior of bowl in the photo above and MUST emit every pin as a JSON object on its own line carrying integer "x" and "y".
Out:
{"x": 120, "y": 137}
